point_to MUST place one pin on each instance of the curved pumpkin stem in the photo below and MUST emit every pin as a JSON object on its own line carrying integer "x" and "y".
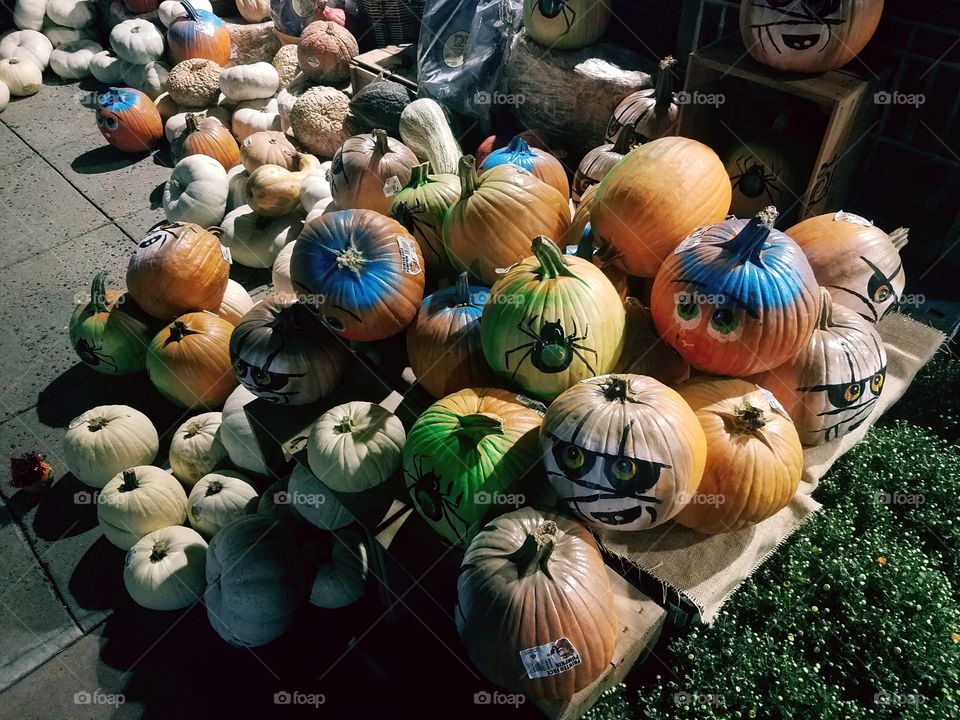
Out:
{"x": 535, "y": 552}
{"x": 130, "y": 481}
{"x": 191, "y": 10}
{"x": 625, "y": 139}
{"x": 462, "y": 290}
{"x": 482, "y": 424}
{"x": 468, "y": 176}
{"x": 749, "y": 242}
{"x": 192, "y": 122}
{"x": 585, "y": 248}
{"x": 825, "y": 318}
{"x": 900, "y": 237}
{"x": 518, "y": 146}
{"x": 381, "y": 144}
{"x": 98, "y": 293}
{"x": 663, "y": 91}
{"x": 552, "y": 263}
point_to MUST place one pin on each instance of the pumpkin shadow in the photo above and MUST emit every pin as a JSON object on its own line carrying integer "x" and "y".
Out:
{"x": 104, "y": 159}
{"x": 97, "y": 581}
{"x": 164, "y": 156}
{"x": 66, "y": 510}
{"x": 156, "y": 196}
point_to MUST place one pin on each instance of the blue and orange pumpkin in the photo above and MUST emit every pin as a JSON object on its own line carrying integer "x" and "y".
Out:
{"x": 736, "y": 297}
{"x": 129, "y": 120}
{"x": 199, "y": 34}
{"x": 360, "y": 272}
{"x": 534, "y": 160}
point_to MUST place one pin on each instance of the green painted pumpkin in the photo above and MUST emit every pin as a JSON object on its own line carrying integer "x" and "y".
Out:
{"x": 420, "y": 206}
{"x": 551, "y": 321}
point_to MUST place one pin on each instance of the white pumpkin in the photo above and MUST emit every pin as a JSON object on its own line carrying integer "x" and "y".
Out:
{"x": 108, "y": 68}
{"x": 27, "y": 44}
{"x": 321, "y": 208}
{"x": 29, "y": 14}
{"x": 275, "y": 504}
{"x": 166, "y": 569}
{"x": 355, "y": 446}
{"x": 255, "y": 240}
{"x": 341, "y": 566}
{"x": 314, "y": 500}
{"x": 254, "y": 11}
{"x": 72, "y": 13}
{"x": 254, "y": 116}
{"x": 196, "y": 191}
{"x": 177, "y": 124}
{"x": 218, "y": 499}
{"x": 138, "y": 501}
{"x": 22, "y": 77}
{"x": 137, "y": 41}
{"x": 170, "y": 10}
{"x": 107, "y": 439}
{"x": 150, "y": 78}
{"x": 255, "y": 581}
{"x": 72, "y": 60}
{"x": 236, "y": 303}
{"x": 4, "y": 96}
{"x": 249, "y": 82}
{"x": 59, "y": 35}
{"x": 195, "y": 448}
{"x": 315, "y": 187}
{"x": 281, "y": 271}
{"x": 237, "y": 187}
{"x": 237, "y": 435}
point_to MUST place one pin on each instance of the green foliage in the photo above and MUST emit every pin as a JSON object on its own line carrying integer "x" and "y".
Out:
{"x": 933, "y": 399}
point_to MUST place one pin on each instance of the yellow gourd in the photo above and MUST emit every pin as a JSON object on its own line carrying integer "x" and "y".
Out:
{"x": 273, "y": 190}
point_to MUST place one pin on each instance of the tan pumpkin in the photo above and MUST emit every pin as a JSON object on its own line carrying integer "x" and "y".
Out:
{"x": 207, "y": 136}
{"x": 652, "y": 113}
{"x": 273, "y": 190}
{"x": 599, "y": 161}
{"x": 236, "y": 303}
{"x": 325, "y": 51}
{"x": 269, "y": 147}
{"x": 368, "y": 170}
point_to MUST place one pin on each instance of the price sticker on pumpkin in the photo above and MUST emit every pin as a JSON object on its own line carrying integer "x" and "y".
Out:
{"x": 571, "y": 250}
{"x": 392, "y": 186}
{"x": 775, "y": 404}
{"x": 538, "y": 407}
{"x": 227, "y": 255}
{"x": 408, "y": 255}
{"x": 851, "y": 218}
{"x": 551, "y": 659}
{"x": 691, "y": 241}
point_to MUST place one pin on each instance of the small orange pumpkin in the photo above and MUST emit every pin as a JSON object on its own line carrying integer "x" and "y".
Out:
{"x": 368, "y": 170}
{"x": 325, "y": 51}
{"x": 207, "y": 136}
{"x": 129, "y": 120}
{"x": 199, "y": 34}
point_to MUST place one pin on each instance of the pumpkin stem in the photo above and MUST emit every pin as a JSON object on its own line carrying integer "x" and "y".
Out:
{"x": 98, "y": 293}
{"x": 380, "y": 142}
{"x": 351, "y": 259}
{"x": 130, "y": 481}
{"x": 482, "y": 424}
{"x": 749, "y": 242}
{"x": 535, "y": 552}
{"x": 624, "y": 139}
{"x": 585, "y": 248}
{"x": 518, "y": 146}
{"x": 419, "y": 175}
{"x": 468, "y": 176}
{"x": 192, "y": 120}
{"x": 213, "y": 487}
{"x": 900, "y": 237}
{"x": 191, "y": 10}
{"x": 345, "y": 425}
{"x": 616, "y": 389}
{"x": 193, "y": 429}
{"x": 825, "y": 319}
{"x": 97, "y": 424}
{"x": 552, "y": 262}
{"x": 663, "y": 90}
{"x": 748, "y": 418}
{"x": 160, "y": 550}
{"x": 462, "y": 289}
{"x": 178, "y": 331}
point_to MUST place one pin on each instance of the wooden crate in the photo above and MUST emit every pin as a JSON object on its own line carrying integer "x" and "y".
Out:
{"x": 829, "y": 118}
{"x": 394, "y": 62}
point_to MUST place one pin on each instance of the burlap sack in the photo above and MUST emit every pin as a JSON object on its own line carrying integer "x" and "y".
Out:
{"x": 707, "y": 569}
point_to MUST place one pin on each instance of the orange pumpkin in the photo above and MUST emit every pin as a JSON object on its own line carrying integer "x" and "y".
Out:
{"x": 497, "y": 216}
{"x": 325, "y": 51}
{"x": 177, "y": 267}
{"x": 199, "y": 34}
{"x": 189, "y": 361}
{"x": 368, "y": 170}
{"x": 129, "y": 120}
{"x": 207, "y": 136}
{"x": 645, "y": 352}
{"x": 657, "y": 195}
{"x": 754, "y": 457}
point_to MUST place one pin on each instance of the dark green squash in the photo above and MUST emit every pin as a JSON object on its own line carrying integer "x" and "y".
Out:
{"x": 379, "y": 104}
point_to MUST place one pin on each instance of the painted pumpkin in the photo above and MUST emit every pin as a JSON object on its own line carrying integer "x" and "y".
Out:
{"x": 652, "y": 113}
{"x": 754, "y": 457}
{"x": 540, "y": 163}
{"x": 468, "y": 453}
{"x": 207, "y": 136}
{"x": 110, "y": 334}
{"x": 588, "y": 251}
{"x": 106, "y": 440}
{"x": 760, "y": 175}
{"x": 736, "y": 298}
{"x": 137, "y": 501}
{"x": 566, "y": 24}
{"x": 645, "y": 352}
{"x": 166, "y": 569}
{"x": 189, "y": 361}
{"x": 177, "y": 267}
{"x": 534, "y": 606}
{"x": 443, "y": 342}
{"x": 598, "y": 162}
{"x": 808, "y": 36}
{"x": 196, "y": 449}
{"x": 657, "y": 195}
{"x": 533, "y": 138}
{"x": 832, "y": 385}
{"x": 498, "y": 213}
{"x": 360, "y": 271}
{"x": 199, "y": 34}
{"x": 420, "y": 206}
{"x": 623, "y": 452}
{"x": 368, "y": 170}
{"x": 129, "y": 120}
{"x": 282, "y": 353}
{"x": 218, "y": 499}
{"x": 855, "y": 260}
{"x": 551, "y": 321}
{"x": 340, "y": 568}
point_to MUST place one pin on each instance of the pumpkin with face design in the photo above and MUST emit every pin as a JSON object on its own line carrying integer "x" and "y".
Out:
{"x": 624, "y": 452}
{"x": 647, "y": 114}
{"x": 736, "y": 298}
{"x": 831, "y": 387}
{"x": 809, "y": 36}
{"x": 856, "y": 261}
{"x": 282, "y": 353}
{"x": 129, "y": 120}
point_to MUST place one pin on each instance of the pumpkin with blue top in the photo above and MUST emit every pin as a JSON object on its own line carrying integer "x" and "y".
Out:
{"x": 129, "y": 120}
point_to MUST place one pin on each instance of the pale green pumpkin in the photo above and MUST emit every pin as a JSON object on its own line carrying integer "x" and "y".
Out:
{"x": 421, "y": 206}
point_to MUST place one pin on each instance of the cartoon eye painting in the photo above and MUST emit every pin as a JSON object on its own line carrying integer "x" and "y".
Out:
{"x": 798, "y": 26}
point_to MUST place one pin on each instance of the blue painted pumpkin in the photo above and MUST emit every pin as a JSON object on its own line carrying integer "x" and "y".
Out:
{"x": 736, "y": 297}
{"x": 360, "y": 272}
{"x": 199, "y": 34}
{"x": 129, "y": 120}
{"x": 290, "y": 17}
{"x": 534, "y": 160}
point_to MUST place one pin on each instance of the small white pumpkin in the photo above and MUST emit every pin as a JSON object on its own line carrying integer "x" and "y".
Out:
{"x": 59, "y": 35}
{"x": 236, "y": 303}
{"x": 255, "y": 581}
{"x": 315, "y": 187}
{"x": 237, "y": 187}
{"x": 355, "y": 446}
{"x": 150, "y": 78}
{"x": 138, "y": 501}
{"x": 254, "y": 116}
{"x": 29, "y": 14}
{"x": 255, "y": 240}
{"x": 275, "y": 504}
{"x": 281, "y": 271}
{"x": 107, "y": 439}
{"x": 27, "y": 44}
{"x": 195, "y": 448}
{"x": 237, "y": 434}
{"x": 166, "y": 569}
{"x": 22, "y": 77}
{"x": 170, "y": 10}
{"x": 72, "y": 60}
{"x": 137, "y": 41}
{"x": 249, "y": 82}
{"x": 218, "y": 499}
{"x": 341, "y": 566}
{"x": 323, "y": 207}
{"x": 314, "y": 500}
{"x": 177, "y": 124}
{"x": 254, "y": 11}
{"x": 196, "y": 191}
{"x": 72, "y": 13}
{"x": 4, "y": 96}
{"x": 288, "y": 96}
{"x": 108, "y": 68}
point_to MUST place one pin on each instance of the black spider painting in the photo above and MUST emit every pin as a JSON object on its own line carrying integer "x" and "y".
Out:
{"x": 755, "y": 179}
{"x": 553, "y": 8}
{"x": 263, "y": 381}
{"x": 409, "y": 218}
{"x": 551, "y": 349}
{"x": 435, "y": 504}
{"x": 93, "y": 355}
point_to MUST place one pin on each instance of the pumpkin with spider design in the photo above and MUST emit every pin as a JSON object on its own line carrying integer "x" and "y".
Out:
{"x": 551, "y": 321}
{"x": 623, "y": 452}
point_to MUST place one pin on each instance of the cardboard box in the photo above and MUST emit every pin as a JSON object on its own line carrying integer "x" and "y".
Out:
{"x": 395, "y": 62}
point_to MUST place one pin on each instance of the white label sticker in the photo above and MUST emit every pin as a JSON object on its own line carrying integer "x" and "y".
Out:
{"x": 227, "y": 255}
{"x": 572, "y": 249}
{"x": 130, "y": 559}
{"x": 408, "y": 255}
{"x": 535, "y": 405}
{"x": 455, "y": 48}
{"x": 233, "y": 51}
{"x": 551, "y": 659}
{"x": 392, "y": 186}
{"x": 691, "y": 241}
{"x": 775, "y": 404}
{"x": 851, "y": 218}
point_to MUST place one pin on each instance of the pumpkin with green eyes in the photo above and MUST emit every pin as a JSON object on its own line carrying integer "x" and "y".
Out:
{"x": 831, "y": 387}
